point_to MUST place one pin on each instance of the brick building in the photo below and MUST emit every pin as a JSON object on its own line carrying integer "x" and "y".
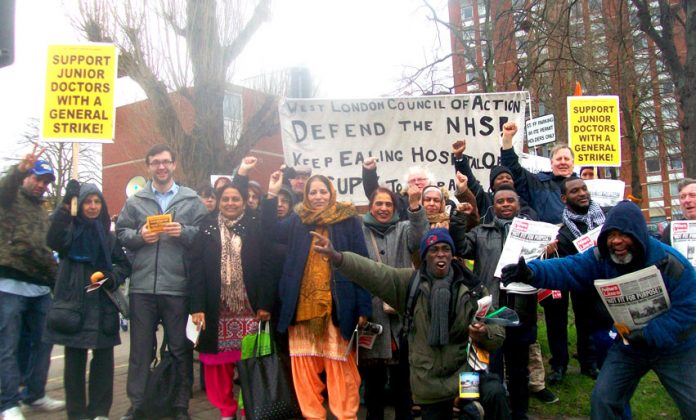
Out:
{"x": 544, "y": 46}
{"x": 136, "y": 132}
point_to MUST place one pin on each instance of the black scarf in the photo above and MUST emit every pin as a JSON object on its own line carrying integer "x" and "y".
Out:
{"x": 89, "y": 243}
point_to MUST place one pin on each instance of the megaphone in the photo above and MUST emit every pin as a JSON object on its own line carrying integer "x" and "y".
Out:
{"x": 135, "y": 184}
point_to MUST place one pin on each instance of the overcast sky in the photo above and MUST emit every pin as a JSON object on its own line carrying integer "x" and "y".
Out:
{"x": 356, "y": 48}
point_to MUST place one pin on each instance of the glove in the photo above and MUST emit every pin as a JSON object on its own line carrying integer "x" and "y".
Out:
{"x": 637, "y": 340}
{"x": 517, "y": 273}
{"x": 71, "y": 190}
{"x": 110, "y": 283}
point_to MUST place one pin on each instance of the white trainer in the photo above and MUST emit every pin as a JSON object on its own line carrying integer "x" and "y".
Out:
{"x": 14, "y": 413}
{"x": 46, "y": 403}
{"x": 101, "y": 418}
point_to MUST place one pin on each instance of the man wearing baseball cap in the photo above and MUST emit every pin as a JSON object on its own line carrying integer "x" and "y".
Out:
{"x": 27, "y": 274}
{"x": 439, "y": 301}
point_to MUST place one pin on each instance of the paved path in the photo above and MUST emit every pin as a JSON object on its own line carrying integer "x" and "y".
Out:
{"x": 199, "y": 407}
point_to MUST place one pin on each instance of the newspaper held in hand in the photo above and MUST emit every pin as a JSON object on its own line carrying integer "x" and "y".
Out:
{"x": 368, "y": 334}
{"x": 634, "y": 298}
{"x": 606, "y": 192}
{"x": 483, "y": 305}
{"x": 683, "y": 238}
{"x": 526, "y": 238}
{"x": 192, "y": 331}
{"x": 588, "y": 240}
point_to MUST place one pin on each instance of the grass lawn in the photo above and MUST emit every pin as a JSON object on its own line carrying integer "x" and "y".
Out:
{"x": 650, "y": 400}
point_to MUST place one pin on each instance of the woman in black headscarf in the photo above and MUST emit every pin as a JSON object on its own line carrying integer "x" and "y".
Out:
{"x": 79, "y": 319}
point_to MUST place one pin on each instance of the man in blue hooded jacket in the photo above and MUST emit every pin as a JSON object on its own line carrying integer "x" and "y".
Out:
{"x": 665, "y": 344}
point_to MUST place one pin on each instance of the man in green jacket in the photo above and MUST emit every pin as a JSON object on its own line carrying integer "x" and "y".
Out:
{"x": 442, "y": 311}
{"x": 27, "y": 275}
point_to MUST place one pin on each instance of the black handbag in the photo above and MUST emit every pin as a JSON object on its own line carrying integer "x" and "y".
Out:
{"x": 161, "y": 386}
{"x": 267, "y": 386}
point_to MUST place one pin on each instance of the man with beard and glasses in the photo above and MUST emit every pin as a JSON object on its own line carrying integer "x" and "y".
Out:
{"x": 159, "y": 284}
{"x": 665, "y": 344}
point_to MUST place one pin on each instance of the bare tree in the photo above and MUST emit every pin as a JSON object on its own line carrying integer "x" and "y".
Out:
{"x": 188, "y": 47}
{"x": 677, "y": 23}
{"x": 59, "y": 155}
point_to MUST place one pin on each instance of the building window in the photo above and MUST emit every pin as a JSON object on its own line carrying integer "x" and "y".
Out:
{"x": 674, "y": 188}
{"x": 669, "y": 112}
{"x": 467, "y": 12}
{"x": 650, "y": 141}
{"x": 667, "y": 87}
{"x": 674, "y": 162}
{"x": 652, "y": 164}
{"x": 232, "y": 114}
{"x": 654, "y": 191}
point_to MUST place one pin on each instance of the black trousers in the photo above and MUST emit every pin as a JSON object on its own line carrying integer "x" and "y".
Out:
{"x": 146, "y": 312}
{"x": 101, "y": 382}
{"x": 375, "y": 377}
{"x": 492, "y": 399}
{"x": 556, "y": 317}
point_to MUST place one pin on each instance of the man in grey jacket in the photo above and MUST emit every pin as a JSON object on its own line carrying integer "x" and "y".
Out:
{"x": 159, "y": 284}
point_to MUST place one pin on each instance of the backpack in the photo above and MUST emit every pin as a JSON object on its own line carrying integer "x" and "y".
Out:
{"x": 161, "y": 386}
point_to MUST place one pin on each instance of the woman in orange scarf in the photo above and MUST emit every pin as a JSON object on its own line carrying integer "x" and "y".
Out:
{"x": 319, "y": 308}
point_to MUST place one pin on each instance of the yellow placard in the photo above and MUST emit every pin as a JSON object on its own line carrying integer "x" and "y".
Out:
{"x": 594, "y": 130}
{"x": 155, "y": 223}
{"x": 79, "y": 101}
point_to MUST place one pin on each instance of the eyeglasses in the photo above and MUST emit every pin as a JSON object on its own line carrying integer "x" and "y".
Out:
{"x": 157, "y": 163}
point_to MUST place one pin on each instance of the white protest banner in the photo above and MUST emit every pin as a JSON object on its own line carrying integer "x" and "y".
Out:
{"x": 684, "y": 238}
{"x": 606, "y": 192}
{"x": 528, "y": 239}
{"x": 334, "y": 136}
{"x": 588, "y": 240}
{"x": 541, "y": 130}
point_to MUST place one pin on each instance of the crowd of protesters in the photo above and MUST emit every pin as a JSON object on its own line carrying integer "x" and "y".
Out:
{"x": 232, "y": 257}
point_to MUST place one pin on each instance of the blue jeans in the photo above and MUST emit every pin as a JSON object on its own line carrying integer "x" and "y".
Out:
{"x": 623, "y": 369}
{"x": 17, "y": 312}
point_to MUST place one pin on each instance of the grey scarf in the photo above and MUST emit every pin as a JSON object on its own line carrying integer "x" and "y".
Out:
{"x": 440, "y": 297}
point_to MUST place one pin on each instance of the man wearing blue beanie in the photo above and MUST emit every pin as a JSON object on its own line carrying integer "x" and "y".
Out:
{"x": 439, "y": 302}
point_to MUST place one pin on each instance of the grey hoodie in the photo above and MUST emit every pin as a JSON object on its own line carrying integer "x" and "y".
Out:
{"x": 160, "y": 268}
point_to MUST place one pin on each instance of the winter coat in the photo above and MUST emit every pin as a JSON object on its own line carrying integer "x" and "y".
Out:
{"x": 434, "y": 369}
{"x": 160, "y": 268}
{"x": 205, "y": 259}
{"x": 349, "y": 300}
{"x": 672, "y": 331}
{"x": 484, "y": 245}
{"x": 394, "y": 247}
{"x": 371, "y": 183}
{"x": 598, "y": 317}
{"x": 542, "y": 191}
{"x": 79, "y": 319}
{"x": 24, "y": 255}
